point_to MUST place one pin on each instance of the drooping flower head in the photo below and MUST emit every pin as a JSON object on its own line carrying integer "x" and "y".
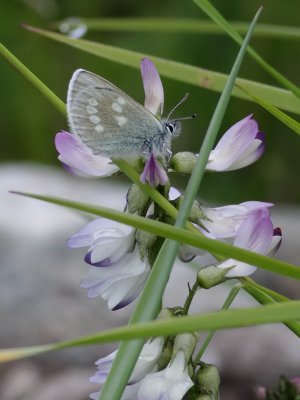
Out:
{"x": 118, "y": 273}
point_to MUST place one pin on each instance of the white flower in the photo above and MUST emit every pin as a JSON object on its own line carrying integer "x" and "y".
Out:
{"x": 240, "y": 146}
{"x": 118, "y": 273}
{"x": 119, "y": 283}
{"x": 108, "y": 241}
{"x": 255, "y": 234}
{"x": 78, "y": 158}
{"x": 146, "y": 362}
{"x": 224, "y": 222}
{"x": 169, "y": 384}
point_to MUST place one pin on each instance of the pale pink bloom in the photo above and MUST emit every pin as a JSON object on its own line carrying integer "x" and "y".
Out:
{"x": 255, "y": 234}
{"x": 78, "y": 158}
{"x": 240, "y": 146}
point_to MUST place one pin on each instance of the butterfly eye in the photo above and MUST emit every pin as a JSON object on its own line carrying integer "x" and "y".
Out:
{"x": 170, "y": 127}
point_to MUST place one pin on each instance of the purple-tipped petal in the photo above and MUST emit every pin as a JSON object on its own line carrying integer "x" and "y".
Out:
{"x": 255, "y": 234}
{"x": 154, "y": 92}
{"x": 276, "y": 242}
{"x": 240, "y": 146}
{"x": 154, "y": 173}
{"x": 79, "y": 158}
{"x": 119, "y": 284}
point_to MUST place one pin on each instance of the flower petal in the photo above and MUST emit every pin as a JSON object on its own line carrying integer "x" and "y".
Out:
{"x": 236, "y": 147}
{"x": 224, "y": 222}
{"x": 154, "y": 92}
{"x": 79, "y": 158}
{"x": 154, "y": 173}
{"x": 169, "y": 384}
{"x": 120, "y": 283}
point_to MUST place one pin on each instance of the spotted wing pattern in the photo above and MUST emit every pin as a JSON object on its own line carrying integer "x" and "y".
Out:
{"x": 107, "y": 120}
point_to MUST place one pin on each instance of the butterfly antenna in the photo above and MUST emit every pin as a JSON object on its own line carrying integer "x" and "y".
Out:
{"x": 189, "y": 117}
{"x": 177, "y": 105}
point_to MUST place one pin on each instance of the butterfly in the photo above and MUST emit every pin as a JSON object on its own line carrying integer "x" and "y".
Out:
{"x": 111, "y": 123}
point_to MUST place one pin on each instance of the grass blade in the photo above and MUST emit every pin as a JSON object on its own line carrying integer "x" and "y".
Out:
{"x": 214, "y": 14}
{"x": 178, "y": 25}
{"x": 280, "y": 115}
{"x": 189, "y": 74}
{"x": 225, "y": 319}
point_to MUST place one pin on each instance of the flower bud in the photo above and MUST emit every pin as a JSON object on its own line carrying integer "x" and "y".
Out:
{"x": 183, "y": 162}
{"x": 186, "y": 343}
{"x": 196, "y": 213}
{"x": 211, "y": 276}
{"x": 145, "y": 241}
{"x": 194, "y": 394}
{"x": 137, "y": 200}
{"x": 166, "y": 355}
{"x": 208, "y": 380}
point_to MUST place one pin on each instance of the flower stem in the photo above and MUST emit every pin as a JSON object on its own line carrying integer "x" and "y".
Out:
{"x": 189, "y": 299}
{"x": 229, "y": 299}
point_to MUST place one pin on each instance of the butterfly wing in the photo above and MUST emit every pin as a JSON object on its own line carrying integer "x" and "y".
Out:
{"x": 107, "y": 120}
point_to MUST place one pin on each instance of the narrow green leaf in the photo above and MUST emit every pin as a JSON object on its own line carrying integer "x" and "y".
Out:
{"x": 181, "y": 235}
{"x": 27, "y": 74}
{"x": 178, "y": 25}
{"x": 284, "y": 118}
{"x": 214, "y": 14}
{"x": 237, "y": 318}
{"x": 263, "y": 298}
{"x": 200, "y": 77}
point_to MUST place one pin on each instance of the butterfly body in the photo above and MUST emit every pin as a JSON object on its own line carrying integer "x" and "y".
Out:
{"x": 111, "y": 123}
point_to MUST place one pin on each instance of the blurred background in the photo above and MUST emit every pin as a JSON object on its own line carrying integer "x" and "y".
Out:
{"x": 32, "y": 235}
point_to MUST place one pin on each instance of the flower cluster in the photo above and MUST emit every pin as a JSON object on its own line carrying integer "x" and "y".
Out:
{"x": 158, "y": 374}
{"x": 121, "y": 257}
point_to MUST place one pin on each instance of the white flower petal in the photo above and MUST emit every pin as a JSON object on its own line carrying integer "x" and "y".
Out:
{"x": 80, "y": 159}
{"x": 169, "y": 384}
{"x": 154, "y": 92}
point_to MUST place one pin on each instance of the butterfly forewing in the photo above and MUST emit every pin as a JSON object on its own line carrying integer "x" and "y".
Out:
{"x": 106, "y": 119}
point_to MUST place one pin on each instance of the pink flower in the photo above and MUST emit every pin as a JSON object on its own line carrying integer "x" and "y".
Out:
{"x": 154, "y": 173}
{"x": 256, "y": 234}
{"x": 78, "y": 158}
{"x": 240, "y": 146}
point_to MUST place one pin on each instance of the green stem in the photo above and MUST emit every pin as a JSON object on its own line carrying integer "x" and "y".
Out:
{"x": 229, "y": 299}
{"x": 189, "y": 299}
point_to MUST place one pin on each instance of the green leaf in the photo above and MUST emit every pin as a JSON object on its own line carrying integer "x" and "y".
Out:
{"x": 200, "y": 77}
{"x": 151, "y": 298}
{"x": 227, "y": 319}
{"x": 214, "y": 14}
{"x": 264, "y": 298}
{"x": 284, "y": 118}
{"x": 177, "y": 25}
{"x": 181, "y": 235}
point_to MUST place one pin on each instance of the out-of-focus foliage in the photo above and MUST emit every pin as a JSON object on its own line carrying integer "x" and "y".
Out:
{"x": 29, "y": 122}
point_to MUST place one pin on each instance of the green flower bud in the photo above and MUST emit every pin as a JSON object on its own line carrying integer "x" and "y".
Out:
{"x": 211, "y": 276}
{"x": 137, "y": 200}
{"x": 196, "y": 213}
{"x": 208, "y": 380}
{"x": 146, "y": 241}
{"x": 194, "y": 394}
{"x": 166, "y": 355}
{"x": 185, "y": 342}
{"x": 183, "y": 162}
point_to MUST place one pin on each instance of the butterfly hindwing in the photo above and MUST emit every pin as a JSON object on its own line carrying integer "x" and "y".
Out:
{"x": 106, "y": 119}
